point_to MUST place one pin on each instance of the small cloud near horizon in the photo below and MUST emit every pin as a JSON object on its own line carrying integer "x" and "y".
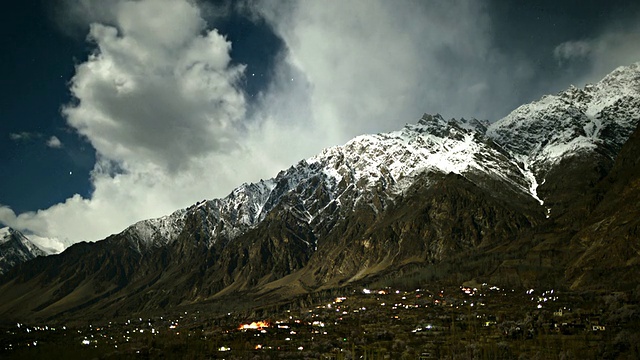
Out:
{"x": 24, "y": 136}
{"x": 54, "y": 143}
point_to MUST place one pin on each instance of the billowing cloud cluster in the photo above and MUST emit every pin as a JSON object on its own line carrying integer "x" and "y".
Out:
{"x": 157, "y": 92}
{"x": 160, "y": 98}
{"x": 159, "y": 101}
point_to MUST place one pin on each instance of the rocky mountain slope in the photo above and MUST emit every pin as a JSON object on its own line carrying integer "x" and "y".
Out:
{"x": 537, "y": 190}
{"x": 608, "y": 242}
{"x": 15, "y": 248}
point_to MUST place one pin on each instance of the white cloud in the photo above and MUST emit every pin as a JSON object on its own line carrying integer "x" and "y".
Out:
{"x": 369, "y": 66}
{"x": 572, "y": 50}
{"x": 54, "y": 142}
{"x": 157, "y": 92}
{"x": 23, "y": 136}
{"x": 615, "y": 46}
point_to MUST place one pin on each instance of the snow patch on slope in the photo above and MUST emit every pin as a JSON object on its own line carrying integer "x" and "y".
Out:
{"x": 392, "y": 160}
{"x": 4, "y": 235}
{"x": 531, "y": 178}
{"x": 544, "y": 132}
{"x": 160, "y": 230}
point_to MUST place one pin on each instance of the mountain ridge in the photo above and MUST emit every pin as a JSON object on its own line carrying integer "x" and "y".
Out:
{"x": 15, "y": 248}
{"x": 425, "y": 194}
{"x": 595, "y": 102}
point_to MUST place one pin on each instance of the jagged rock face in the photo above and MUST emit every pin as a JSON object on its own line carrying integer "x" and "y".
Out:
{"x": 536, "y": 187}
{"x": 568, "y": 184}
{"x": 609, "y": 241}
{"x": 569, "y": 141}
{"x": 15, "y": 249}
{"x": 545, "y": 131}
{"x": 590, "y": 240}
{"x": 428, "y": 224}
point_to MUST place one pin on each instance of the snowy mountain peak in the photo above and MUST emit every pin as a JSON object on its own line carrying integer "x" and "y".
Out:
{"x": 433, "y": 124}
{"x": 624, "y": 78}
{"x": 244, "y": 207}
{"x": 385, "y": 164}
{"x": 5, "y": 234}
{"x": 575, "y": 120}
{"x": 476, "y": 125}
{"x": 16, "y": 248}
{"x": 428, "y": 119}
{"x": 431, "y": 144}
{"x": 437, "y": 125}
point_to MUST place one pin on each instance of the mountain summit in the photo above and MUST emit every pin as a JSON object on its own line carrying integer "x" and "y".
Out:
{"x": 599, "y": 115}
{"x": 448, "y": 199}
{"x": 15, "y": 248}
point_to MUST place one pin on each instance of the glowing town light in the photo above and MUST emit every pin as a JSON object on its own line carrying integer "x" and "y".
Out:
{"x": 259, "y": 325}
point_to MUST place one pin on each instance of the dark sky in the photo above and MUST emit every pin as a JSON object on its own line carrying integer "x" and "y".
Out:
{"x": 533, "y": 29}
{"x": 301, "y": 76}
{"x": 36, "y": 64}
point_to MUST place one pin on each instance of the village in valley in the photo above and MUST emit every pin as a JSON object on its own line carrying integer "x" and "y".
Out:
{"x": 479, "y": 321}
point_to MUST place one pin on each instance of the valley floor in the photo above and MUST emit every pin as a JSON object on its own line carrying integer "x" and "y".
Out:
{"x": 466, "y": 322}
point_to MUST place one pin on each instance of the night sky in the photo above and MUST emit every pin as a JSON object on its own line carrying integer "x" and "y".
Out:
{"x": 116, "y": 111}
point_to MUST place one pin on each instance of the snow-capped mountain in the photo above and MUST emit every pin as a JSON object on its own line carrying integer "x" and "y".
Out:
{"x": 384, "y": 165}
{"x": 543, "y": 132}
{"x": 518, "y": 149}
{"x": 428, "y": 193}
{"x": 15, "y": 248}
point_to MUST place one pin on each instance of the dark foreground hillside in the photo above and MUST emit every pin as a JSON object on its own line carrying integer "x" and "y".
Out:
{"x": 480, "y": 322}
